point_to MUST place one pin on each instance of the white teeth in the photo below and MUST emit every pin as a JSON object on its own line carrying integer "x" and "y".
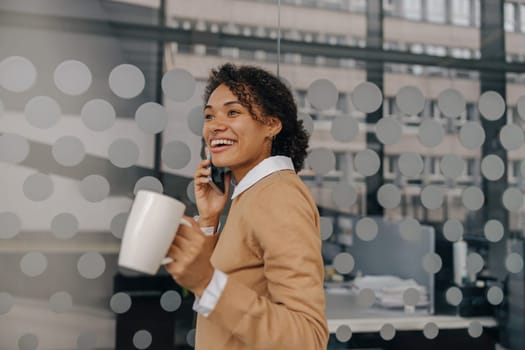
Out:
{"x": 222, "y": 141}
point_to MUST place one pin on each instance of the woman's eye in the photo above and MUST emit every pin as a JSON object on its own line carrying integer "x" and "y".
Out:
{"x": 208, "y": 116}
{"x": 233, "y": 113}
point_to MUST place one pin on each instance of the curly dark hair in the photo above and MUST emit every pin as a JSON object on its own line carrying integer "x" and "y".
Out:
{"x": 254, "y": 86}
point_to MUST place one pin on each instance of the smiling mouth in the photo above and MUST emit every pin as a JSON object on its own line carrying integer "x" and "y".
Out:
{"x": 222, "y": 143}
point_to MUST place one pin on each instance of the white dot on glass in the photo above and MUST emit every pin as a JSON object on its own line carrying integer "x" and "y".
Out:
{"x": 411, "y": 296}
{"x": 389, "y": 196}
{"x": 151, "y": 117}
{"x": 178, "y": 84}
{"x": 472, "y": 135}
{"x": 432, "y": 196}
{"x": 87, "y": 341}
{"x": 491, "y": 105}
{"x": 176, "y": 154}
{"x": 322, "y": 94}
{"x": 170, "y": 301}
{"x": 10, "y": 224}
{"x": 410, "y": 229}
{"x": 410, "y": 100}
{"x": 344, "y": 128}
{"x": 120, "y": 303}
{"x": 28, "y": 341}
{"x": 343, "y": 333}
{"x": 308, "y": 122}
{"x": 432, "y": 263}
{"x": 344, "y": 195}
{"x": 495, "y": 295}
{"x": 514, "y": 263}
{"x": 387, "y": 332}
{"x": 389, "y": 131}
{"x": 521, "y": 107}
{"x": 454, "y": 296}
{"x": 492, "y": 167}
{"x": 452, "y": 166}
{"x": 68, "y": 151}
{"x": 451, "y": 103}
{"x": 431, "y": 330}
{"x": 60, "y": 302}
{"x": 475, "y": 329}
{"x": 190, "y": 338}
{"x": 17, "y": 74}
{"x": 123, "y": 153}
{"x": 148, "y": 183}
{"x": 343, "y": 263}
{"x": 33, "y": 264}
{"x": 367, "y": 162}
{"x": 493, "y": 230}
{"x": 6, "y": 303}
{"x": 453, "y": 230}
{"x": 410, "y": 164}
{"x": 326, "y": 227}
{"x": 72, "y": 77}
{"x": 13, "y": 148}
{"x": 321, "y": 160}
{"x": 512, "y": 199}
{"x": 431, "y": 133}
{"x": 91, "y": 265}
{"x": 94, "y": 188}
{"x": 511, "y": 137}
{"x": 474, "y": 263}
{"x": 473, "y": 198}
{"x": 64, "y": 225}
{"x": 367, "y": 97}
{"x": 126, "y": 81}
{"x": 118, "y": 224}
{"x": 190, "y": 192}
{"x": 366, "y": 229}
{"x": 42, "y": 112}
{"x": 366, "y": 297}
{"x": 98, "y": 115}
{"x": 196, "y": 120}
{"x": 38, "y": 187}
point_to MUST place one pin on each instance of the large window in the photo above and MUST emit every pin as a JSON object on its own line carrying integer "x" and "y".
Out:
{"x": 510, "y": 17}
{"x": 461, "y": 12}
{"x": 412, "y": 9}
{"x": 436, "y": 11}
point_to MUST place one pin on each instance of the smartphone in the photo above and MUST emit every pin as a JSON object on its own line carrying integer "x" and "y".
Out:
{"x": 217, "y": 176}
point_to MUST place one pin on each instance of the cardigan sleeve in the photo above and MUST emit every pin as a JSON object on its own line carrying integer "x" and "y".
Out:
{"x": 285, "y": 227}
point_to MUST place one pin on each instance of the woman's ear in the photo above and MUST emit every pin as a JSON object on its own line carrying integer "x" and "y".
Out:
{"x": 275, "y": 125}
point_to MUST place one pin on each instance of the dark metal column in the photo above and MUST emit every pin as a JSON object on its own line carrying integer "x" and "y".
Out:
{"x": 492, "y": 42}
{"x": 374, "y": 74}
{"x": 493, "y": 50}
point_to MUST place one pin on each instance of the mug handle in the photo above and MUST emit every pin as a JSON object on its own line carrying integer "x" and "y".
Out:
{"x": 168, "y": 260}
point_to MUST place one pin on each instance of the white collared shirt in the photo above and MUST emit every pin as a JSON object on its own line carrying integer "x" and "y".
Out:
{"x": 206, "y": 303}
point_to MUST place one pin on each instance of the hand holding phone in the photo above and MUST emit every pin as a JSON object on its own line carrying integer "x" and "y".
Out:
{"x": 217, "y": 176}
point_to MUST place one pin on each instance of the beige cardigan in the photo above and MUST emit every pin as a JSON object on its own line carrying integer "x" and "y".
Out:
{"x": 270, "y": 248}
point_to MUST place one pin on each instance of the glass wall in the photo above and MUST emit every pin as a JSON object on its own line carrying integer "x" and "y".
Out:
{"x": 415, "y": 161}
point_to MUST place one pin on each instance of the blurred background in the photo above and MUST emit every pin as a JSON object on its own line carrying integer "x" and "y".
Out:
{"x": 415, "y": 110}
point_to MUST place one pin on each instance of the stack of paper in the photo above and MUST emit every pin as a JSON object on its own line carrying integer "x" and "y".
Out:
{"x": 389, "y": 290}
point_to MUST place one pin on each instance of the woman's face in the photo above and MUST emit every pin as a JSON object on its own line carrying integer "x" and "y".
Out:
{"x": 235, "y": 139}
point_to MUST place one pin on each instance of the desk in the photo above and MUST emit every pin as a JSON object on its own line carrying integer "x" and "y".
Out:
{"x": 365, "y": 325}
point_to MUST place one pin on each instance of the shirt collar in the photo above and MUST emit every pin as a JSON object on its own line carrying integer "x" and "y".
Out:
{"x": 261, "y": 170}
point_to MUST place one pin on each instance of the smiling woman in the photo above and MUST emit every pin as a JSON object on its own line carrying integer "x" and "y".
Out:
{"x": 259, "y": 283}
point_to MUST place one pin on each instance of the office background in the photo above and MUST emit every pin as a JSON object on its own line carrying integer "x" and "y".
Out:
{"x": 416, "y": 161}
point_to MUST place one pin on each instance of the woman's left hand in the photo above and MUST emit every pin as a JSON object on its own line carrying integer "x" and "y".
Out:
{"x": 191, "y": 251}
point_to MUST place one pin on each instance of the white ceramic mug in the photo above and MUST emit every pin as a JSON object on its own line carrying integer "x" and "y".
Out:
{"x": 151, "y": 227}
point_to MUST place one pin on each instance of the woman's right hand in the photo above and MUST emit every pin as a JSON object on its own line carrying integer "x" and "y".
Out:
{"x": 210, "y": 203}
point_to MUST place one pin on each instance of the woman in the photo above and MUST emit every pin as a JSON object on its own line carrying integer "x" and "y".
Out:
{"x": 259, "y": 284}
